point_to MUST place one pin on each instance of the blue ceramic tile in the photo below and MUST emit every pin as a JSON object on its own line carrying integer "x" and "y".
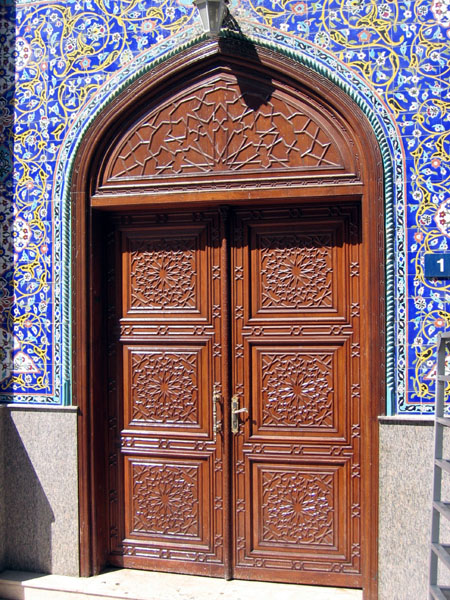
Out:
{"x": 393, "y": 54}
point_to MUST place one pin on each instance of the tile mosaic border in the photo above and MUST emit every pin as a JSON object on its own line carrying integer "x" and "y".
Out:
{"x": 370, "y": 103}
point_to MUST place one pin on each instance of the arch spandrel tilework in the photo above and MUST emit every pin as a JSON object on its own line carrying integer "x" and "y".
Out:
{"x": 72, "y": 58}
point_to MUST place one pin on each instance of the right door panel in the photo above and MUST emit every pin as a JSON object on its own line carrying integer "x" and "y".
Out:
{"x": 296, "y": 370}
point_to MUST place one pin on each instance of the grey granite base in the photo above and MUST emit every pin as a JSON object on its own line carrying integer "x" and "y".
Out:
{"x": 2, "y": 494}
{"x": 406, "y": 471}
{"x": 40, "y": 491}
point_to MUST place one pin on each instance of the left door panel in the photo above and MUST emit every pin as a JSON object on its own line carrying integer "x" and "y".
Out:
{"x": 165, "y": 328}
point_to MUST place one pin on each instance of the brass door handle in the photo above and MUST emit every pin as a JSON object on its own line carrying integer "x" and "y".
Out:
{"x": 216, "y": 399}
{"x": 235, "y": 411}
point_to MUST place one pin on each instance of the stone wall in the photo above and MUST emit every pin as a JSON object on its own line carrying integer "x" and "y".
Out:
{"x": 406, "y": 475}
{"x": 40, "y": 531}
{"x": 2, "y": 492}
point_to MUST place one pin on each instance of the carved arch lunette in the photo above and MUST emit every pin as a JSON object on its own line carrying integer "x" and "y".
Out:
{"x": 214, "y": 123}
{"x": 210, "y": 128}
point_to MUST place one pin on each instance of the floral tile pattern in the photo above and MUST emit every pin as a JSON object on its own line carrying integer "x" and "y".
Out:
{"x": 60, "y": 62}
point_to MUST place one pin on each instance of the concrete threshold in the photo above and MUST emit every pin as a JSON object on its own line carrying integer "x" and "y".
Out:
{"x": 130, "y": 584}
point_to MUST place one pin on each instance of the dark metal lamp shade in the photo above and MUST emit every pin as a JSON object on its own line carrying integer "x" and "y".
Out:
{"x": 212, "y": 13}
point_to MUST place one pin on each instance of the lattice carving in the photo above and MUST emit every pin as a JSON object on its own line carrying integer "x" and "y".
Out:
{"x": 297, "y": 389}
{"x": 296, "y": 271}
{"x": 163, "y": 273}
{"x": 164, "y": 387}
{"x": 298, "y": 507}
{"x": 213, "y": 129}
{"x": 165, "y": 500}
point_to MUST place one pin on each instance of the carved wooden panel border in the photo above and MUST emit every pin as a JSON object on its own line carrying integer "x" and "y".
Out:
{"x": 292, "y": 273}
{"x": 299, "y": 509}
{"x": 162, "y": 387}
{"x": 166, "y": 500}
{"x": 296, "y": 388}
{"x": 163, "y": 268}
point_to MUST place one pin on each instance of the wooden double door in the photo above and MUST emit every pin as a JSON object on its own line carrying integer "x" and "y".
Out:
{"x": 234, "y": 403}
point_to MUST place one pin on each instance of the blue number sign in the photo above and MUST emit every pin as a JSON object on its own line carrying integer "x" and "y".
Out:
{"x": 437, "y": 265}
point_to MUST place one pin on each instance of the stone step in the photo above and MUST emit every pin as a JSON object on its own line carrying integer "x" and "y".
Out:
{"x": 121, "y": 584}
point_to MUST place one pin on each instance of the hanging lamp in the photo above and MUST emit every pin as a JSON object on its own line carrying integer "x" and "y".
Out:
{"x": 212, "y": 14}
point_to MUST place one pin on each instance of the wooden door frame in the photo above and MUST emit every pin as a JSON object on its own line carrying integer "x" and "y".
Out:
{"x": 86, "y": 246}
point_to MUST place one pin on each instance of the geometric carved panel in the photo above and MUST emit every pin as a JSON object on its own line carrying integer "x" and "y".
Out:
{"x": 164, "y": 386}
{"x": 213, "y": 129}
{"x": 296, "y": 388}
{"x": 163, "y": 273}
{"x": 165, "y": 499}
{"x": 298, "y": 507}
{"x": 295, "y": 270}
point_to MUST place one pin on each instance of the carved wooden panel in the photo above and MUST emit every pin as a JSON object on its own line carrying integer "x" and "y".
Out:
{"x": 230, "y": 123}
{"x": 164, "y": 385}
{"x": 162, "y": 268}
{"x": 294, "y": 268}
{"x": 166, "y": 499}
{"x": 215, "y": 129}
{"x": 163, "y": 273}
{"x": 298, "y": 507}
{"x": 294, "y": 388}
{"x": 296, "y": 271}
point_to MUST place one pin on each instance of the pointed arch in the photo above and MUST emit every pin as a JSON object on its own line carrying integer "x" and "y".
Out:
{"x": 105, "y": 178}
{"x": 325, "y": 66}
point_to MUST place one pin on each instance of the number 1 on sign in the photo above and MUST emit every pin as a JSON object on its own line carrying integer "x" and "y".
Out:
{"x": 440, "y": 262}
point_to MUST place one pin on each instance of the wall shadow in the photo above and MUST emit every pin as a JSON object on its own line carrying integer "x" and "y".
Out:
{"x": 28, "y": 514}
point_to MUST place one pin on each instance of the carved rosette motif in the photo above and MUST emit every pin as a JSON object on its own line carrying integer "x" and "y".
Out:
{"x": 298, "y": 507}
{"x": 216, "y": 128}
{"x": 163, "y": 273}
{"x": 297, "y": 389}
{"x": 165, "y": 500}
{"x": 164, "y": 387}
{"x": 296, "y": 271}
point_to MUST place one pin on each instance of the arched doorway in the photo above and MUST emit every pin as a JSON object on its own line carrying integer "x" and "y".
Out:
{"x": 228, "y": 257}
